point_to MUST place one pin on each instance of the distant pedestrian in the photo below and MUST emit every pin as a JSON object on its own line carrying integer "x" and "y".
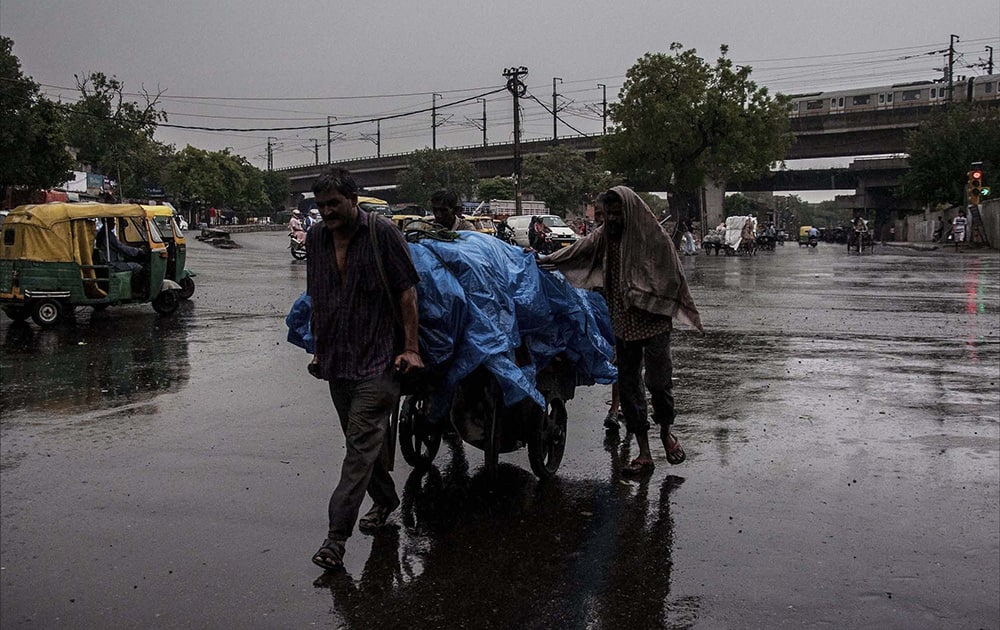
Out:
{"x": 958, "y": 225}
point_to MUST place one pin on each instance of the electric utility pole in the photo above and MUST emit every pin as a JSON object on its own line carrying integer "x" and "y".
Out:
{"x": 434, "y": 120}
{"x": 517, "y": 89}
{"x": 329, "y": 138}
{"x": 316, "y": 151}
{"x": 484, "y": 119}
{"x": 989, "y": 62}
{"x": 555, "y": 119}
{"x": 951, "y": 67}
{"x": 270, "y": 154}
{"x": 604, "y": 108}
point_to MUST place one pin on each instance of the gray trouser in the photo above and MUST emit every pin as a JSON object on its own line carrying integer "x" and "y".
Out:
{"x": 363, "y": 407}
{"x": 655, "y": 354}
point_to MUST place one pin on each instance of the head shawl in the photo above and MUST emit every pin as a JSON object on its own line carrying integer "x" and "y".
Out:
{"x": 651, "y": 272}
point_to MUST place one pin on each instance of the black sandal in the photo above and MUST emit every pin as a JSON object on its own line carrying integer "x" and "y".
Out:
{"x": 330, "y": 555}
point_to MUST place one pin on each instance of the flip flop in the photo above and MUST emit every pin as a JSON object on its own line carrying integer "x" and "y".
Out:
{"x": 675, "y": 454}
{"x": 638, "y": 467}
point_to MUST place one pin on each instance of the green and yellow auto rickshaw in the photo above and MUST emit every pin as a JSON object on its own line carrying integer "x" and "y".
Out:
{"x": 173, "y": 236}
{"x": 57, "y": 256}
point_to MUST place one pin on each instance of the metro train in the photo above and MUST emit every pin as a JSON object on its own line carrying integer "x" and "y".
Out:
{"x": 898, "y": 96}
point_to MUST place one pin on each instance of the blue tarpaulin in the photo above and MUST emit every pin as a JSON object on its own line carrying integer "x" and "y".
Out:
{"x": 479, "y": 300}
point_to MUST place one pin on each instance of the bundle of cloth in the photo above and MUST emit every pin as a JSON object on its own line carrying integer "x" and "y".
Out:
{"x": 480, "y": 300}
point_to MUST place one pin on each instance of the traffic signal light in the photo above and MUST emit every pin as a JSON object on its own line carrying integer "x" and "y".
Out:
{"x": 976, "y": 185}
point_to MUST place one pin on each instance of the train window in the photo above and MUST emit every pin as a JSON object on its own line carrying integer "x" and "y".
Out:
{"x": 910, "y": 95}
{"x": 864, "y": 99}
{"x": 795, "y": 107}
{"x": 888, "y": 98}
{"x": 840, "y": 102}
{"x": 933, "y": 92}
{"x": 881, "y": 99}
{"x": 989, "y": 88}
{"x": 810, "y": 105}
{"x": 833, "y": 103}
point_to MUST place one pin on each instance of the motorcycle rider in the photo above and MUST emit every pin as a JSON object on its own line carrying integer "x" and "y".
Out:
{"x": 539, "y": 238}
{"x": 296, "y": 227}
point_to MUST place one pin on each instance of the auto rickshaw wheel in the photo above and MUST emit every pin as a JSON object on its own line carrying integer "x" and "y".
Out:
{"x": 187, "y": 288}
{"x": 548, "y": 439}
{"x": 166, "y": 302}
{"x": 418, "y": 440}
{"x": 46, "y": 312}
{"x": 16, "y": 313}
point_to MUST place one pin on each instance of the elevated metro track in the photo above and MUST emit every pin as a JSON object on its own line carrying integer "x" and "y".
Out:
{"x": 837, "y": 135}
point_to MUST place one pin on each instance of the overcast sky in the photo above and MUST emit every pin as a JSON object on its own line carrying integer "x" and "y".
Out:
{"x": 253, "y": 64}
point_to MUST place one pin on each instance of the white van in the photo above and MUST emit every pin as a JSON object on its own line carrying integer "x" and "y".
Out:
{"x": 562, "y": 234}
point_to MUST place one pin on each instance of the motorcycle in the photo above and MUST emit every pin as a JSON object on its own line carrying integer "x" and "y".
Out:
{"x": 298, "y": 248}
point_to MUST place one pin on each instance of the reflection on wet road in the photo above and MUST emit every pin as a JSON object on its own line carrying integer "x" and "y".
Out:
{"x": 841, "y": 420}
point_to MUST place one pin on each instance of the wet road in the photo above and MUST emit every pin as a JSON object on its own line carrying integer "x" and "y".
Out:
{"x": 841, "y": 419}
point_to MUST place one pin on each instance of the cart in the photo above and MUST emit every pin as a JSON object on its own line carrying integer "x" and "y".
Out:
{"x": 480, "y": 418}
{"x": 504, "y": 345}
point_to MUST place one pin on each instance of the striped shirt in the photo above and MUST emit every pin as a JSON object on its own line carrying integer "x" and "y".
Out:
{"x": 353, "y": 324}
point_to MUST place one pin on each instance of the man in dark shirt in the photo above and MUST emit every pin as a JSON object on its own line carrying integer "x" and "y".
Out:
{"x": 354, "y": 321}
{"x": 120, "y": 257}
{"x": 447, "y": 213}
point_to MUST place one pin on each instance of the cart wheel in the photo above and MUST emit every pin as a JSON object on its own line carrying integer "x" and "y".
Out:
{"x": 187, "y": 288}
{"x": 299, "y": 253}
{"x": 46, "y": 312}
{"x": 548, "y": 441}
{"x": 166, "y": 302}
{"x": 418, "y": 441}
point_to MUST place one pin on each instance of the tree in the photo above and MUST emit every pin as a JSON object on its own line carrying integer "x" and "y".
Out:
{"x": 278, "y": 188}
{"x": 32, "y": 143}
{"x": 224, "y": 180}
{"x": 495, "y": 188}
{"x": 679, "y": 120}
{"x": 115, "y": 135}
{"x": 563, "y": 178}
{"x": 943, "y": 149}
{"x": 431, "y": 169}
{"x": 739, "y": 205}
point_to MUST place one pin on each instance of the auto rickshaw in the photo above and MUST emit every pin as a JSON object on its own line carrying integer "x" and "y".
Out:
{"x": 51, "y": 261}
{"x": 173, "y": 235}
{"x": 483, "y": 224}
{"x": 805, "y": 239}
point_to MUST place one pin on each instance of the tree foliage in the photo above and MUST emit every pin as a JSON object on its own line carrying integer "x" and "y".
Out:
{"x": 32, "y": 143}
{"x": 679, "y": 119}
{"x": 223, "y": 180}
{"x": 495, "y": 188}
{"x": 114, "y": 135}
{"x": 277, "y": 188}
{"x": 943, "y": 149}
{"x": 429, "y": 170}
{"x": 564, "y": 179}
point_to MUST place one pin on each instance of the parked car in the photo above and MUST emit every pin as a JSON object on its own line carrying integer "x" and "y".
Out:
{"x": 562, "y": 234}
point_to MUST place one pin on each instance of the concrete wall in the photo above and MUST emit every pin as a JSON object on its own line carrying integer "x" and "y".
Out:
{"x": 916, "y": 229}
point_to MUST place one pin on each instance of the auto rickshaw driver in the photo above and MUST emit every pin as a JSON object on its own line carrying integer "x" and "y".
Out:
{"x": 119, "y": 256}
